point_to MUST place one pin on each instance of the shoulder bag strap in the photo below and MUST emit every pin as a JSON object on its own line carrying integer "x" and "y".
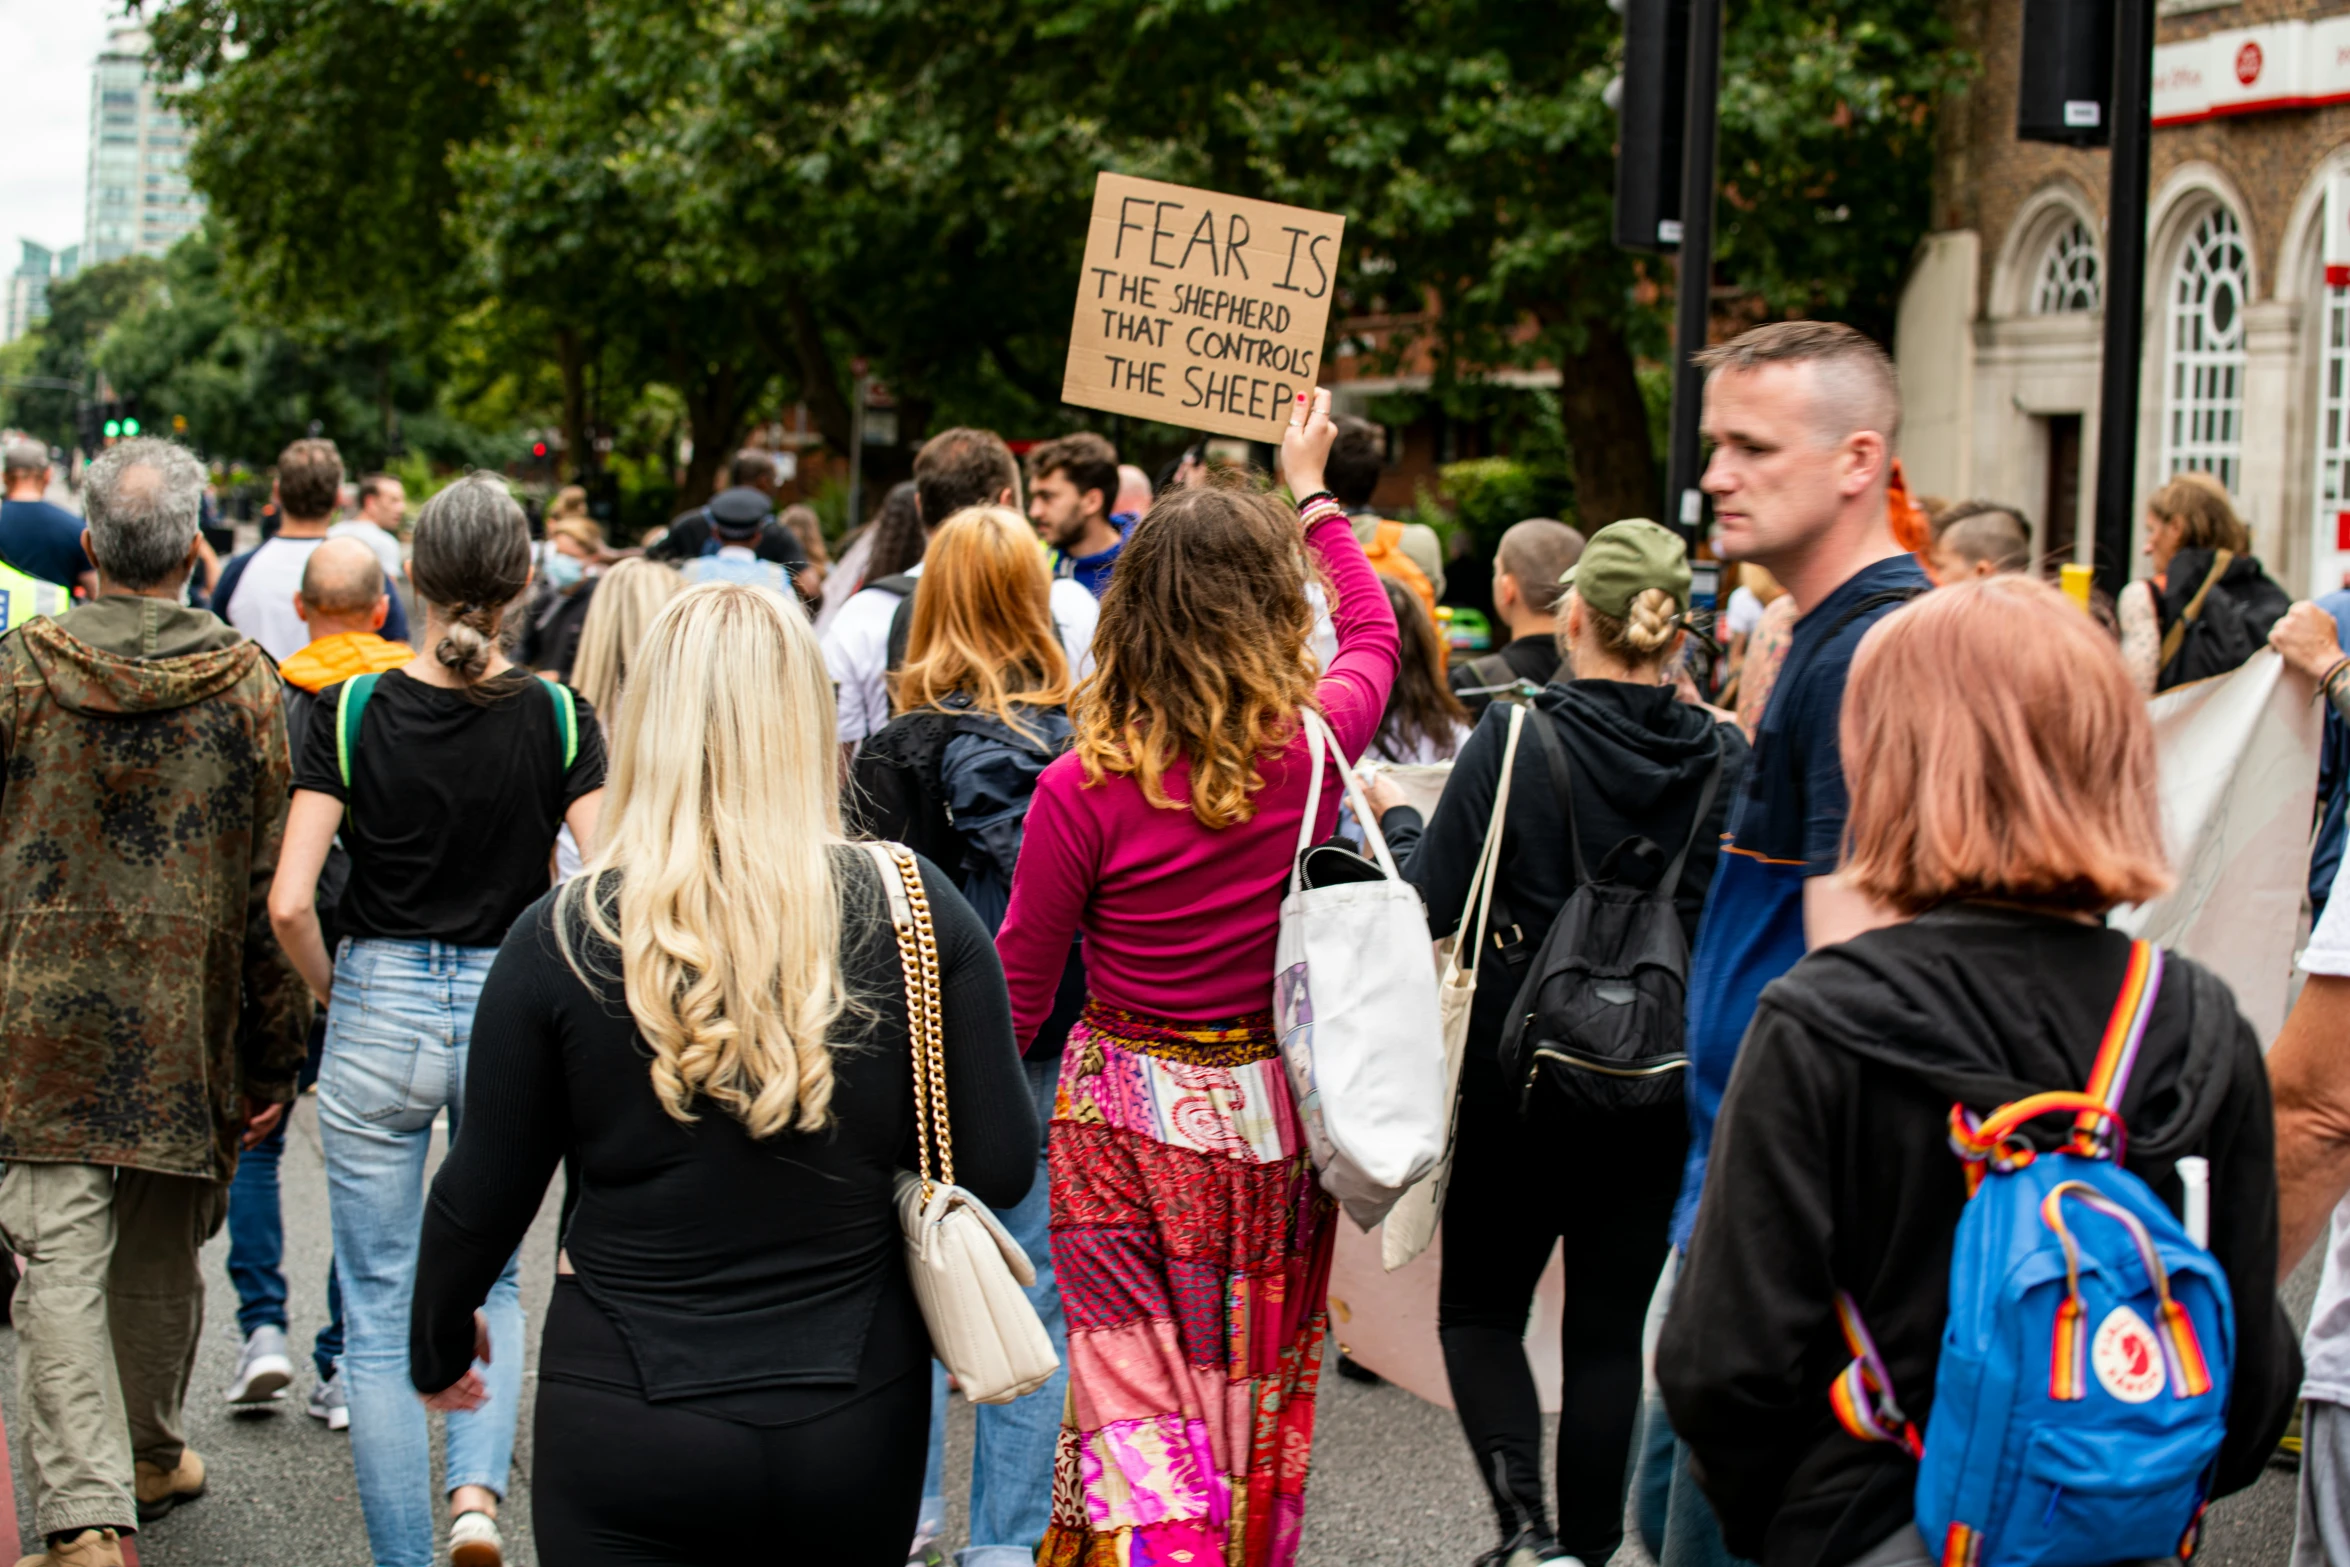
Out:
{"x": 1562, "y": 778}
{"x": 566, "y": 720}
{"x": 2193, "y": 612}
{"x": 1670, "y": 885}
{"x": 909, "y": 916}
{"x": 350, "y": 706}
{"x": 1480, "y": 896}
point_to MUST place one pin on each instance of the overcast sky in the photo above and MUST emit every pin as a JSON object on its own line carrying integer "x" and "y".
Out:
{"x": 45, "y": 118}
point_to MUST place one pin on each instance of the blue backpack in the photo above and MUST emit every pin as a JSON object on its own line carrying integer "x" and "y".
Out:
{"x": 2077, "y": 1416}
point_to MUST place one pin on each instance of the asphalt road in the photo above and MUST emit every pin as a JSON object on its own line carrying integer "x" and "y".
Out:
{"x": 1392, "y": 1484}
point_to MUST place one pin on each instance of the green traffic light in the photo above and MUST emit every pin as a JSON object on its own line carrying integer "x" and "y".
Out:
{"x": 130, "y": 427}
{"x": 113, "y": 428}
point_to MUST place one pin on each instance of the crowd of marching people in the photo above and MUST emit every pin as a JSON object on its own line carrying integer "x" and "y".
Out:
{"x": 896, "y": 948}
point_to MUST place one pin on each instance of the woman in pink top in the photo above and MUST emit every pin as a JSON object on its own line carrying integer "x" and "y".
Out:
{"x": 1191, "y": 1239}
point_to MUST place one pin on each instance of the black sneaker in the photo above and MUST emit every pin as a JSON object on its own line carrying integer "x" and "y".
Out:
{"x": 1523, "y": 1549}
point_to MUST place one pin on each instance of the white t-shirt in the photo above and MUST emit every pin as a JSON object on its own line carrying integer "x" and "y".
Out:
{"x": 263, "y": 605}
{"x": 856, "y": 649}
{"x": 2325, "y": 1348}
{"x": 371, "y": 534}
{"x": 1744, "y": 613}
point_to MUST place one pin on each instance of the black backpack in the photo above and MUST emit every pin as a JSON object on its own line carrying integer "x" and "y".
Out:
{"x": 1601, "y": 1011}
{"x": 2224, "y": 621}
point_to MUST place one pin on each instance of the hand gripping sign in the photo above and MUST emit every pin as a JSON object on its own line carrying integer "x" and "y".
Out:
{"x": 1198, "y": 309}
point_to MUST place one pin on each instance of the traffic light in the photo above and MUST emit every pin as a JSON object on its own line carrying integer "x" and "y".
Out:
{"x": 2067, "y": 73}
{"x": 1651, "y": 110}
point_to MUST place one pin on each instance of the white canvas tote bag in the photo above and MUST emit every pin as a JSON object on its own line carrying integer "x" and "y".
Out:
{"x": 1354, "y": 997}
{"x": 1412, "y": 1223}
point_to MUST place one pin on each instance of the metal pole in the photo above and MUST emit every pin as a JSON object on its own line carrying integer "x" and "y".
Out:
{"x": 1693, "y": 293}
{"x": 857, "y": 453}
{"x": 2125, "y": 290}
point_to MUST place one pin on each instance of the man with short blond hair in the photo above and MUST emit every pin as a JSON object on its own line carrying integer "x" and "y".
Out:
{"x": 1802, "y": 417}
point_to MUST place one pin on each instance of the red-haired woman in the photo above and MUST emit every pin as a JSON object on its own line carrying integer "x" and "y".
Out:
{"x": 2003, "y": 798}
{"x": 1191, "y": 1240}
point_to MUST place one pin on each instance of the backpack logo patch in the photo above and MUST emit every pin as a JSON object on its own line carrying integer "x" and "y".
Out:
{"x": 2126, "y": 1357}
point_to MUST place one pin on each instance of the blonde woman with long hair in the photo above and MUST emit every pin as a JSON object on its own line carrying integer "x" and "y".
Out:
{"x": 982, "y": 711}
{"x": 628, "y": 596}
{"x": 709, "y": 1024}
{"x": 1191, "y": 1238}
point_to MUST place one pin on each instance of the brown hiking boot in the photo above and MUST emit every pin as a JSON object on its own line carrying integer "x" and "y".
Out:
{"x": 160, "y": 1490}
{"x": 90, "y": 1548}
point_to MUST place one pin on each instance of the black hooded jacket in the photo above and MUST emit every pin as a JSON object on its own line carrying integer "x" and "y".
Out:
{"x": 1832, "y": 1169}
{"x": 1639, "y": 754}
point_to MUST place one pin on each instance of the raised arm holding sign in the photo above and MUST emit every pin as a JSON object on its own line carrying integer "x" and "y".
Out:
{"x": 1198, "y": 309}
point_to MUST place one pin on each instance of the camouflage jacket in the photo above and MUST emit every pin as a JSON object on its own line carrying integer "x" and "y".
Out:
{"x": 143, "y": 789}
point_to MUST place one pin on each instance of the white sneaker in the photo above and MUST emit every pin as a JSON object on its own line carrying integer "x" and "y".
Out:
{"x": 329, "y": 1403}
{"x": 474, "y": 1542}
{"x": 263, "y": 1371}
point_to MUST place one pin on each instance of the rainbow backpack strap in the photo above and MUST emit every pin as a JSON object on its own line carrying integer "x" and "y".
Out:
{"x": 1861, "y": 1397}
{"x": 2117, "y": 1053}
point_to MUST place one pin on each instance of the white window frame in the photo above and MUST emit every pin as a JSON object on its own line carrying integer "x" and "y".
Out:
{"x": 2071, "y": 275}
{"x": 2203, "y": 371}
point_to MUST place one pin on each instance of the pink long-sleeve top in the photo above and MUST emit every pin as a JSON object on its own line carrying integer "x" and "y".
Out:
{"x": 1180, "y": 919}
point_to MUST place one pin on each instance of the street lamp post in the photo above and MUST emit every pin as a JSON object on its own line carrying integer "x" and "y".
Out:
{"x": 1693, "y": 293}
{"x": 2125, "y": 290}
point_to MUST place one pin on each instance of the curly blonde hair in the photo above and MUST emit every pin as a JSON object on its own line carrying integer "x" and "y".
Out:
{"x": 1201, "y": 655}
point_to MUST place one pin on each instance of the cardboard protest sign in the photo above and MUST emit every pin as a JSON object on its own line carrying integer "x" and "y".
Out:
{"x": 1198, "y": 309}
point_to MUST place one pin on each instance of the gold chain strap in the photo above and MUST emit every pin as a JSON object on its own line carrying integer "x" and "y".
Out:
{"x": 925, "y": 1036}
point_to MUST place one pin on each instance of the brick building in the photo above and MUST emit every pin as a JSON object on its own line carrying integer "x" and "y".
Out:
{"x": 2247, "y": 364}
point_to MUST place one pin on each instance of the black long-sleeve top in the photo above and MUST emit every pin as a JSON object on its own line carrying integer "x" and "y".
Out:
{"x": 1832, "y": 1170}
{"x": 1639, "y": 756}
{"x": 725, "y": 1263}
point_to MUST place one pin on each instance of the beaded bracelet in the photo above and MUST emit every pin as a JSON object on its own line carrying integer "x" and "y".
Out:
{"x": 1305, "y": 501}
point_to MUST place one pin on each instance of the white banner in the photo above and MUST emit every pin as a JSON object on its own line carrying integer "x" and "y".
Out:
{"x": 2238, "y": 755}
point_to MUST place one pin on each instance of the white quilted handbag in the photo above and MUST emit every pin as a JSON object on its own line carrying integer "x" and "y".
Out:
{"x": 1354, "y": 998}
{"x": 969, "y": 1275}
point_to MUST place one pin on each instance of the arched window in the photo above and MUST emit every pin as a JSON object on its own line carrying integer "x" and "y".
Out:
{"x": 2333, "y": 418}
{"x": 2203, "y": 403}
{"x": 2068, "y": 272}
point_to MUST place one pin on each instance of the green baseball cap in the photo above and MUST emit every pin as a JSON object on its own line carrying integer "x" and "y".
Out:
{"x": 1624, "y": 560}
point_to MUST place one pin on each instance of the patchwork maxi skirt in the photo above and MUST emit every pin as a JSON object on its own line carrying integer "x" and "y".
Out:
{"x": 1192, "y": 1243}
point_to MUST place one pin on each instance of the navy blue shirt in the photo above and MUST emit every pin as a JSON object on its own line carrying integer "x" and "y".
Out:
{"x": 42, "y": 541}
{"x": 1786, "y": 827}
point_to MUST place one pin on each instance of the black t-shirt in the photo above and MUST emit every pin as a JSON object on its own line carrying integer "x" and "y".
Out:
{"x": 454, "y": 805}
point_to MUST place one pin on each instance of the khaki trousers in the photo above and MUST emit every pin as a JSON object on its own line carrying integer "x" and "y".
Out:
{"x": 107, "y": 1321}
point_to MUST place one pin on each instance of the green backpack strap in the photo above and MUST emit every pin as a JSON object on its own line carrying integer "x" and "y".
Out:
{"x": 348, "y": 708}
{"x": 566, "y": 721}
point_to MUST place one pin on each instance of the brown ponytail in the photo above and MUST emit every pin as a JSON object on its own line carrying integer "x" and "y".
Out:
{"x": 472, "y": 560}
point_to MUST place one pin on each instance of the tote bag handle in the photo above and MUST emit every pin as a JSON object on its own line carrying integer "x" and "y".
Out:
{"x": 1319, "y": 737}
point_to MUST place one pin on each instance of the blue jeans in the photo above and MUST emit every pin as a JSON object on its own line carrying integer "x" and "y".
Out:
{"x": 257, "y": 1250}
{"x": 257, "y": 1238}
{"x": 1012, "y": 1467}
{"x": 1675, "y": 1522}
{"x": 396, "y": 1044}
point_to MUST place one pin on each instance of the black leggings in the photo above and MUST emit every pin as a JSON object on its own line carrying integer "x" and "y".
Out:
{"x": 1606, "y": 1183}
{"x": 621, "y": 1482}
